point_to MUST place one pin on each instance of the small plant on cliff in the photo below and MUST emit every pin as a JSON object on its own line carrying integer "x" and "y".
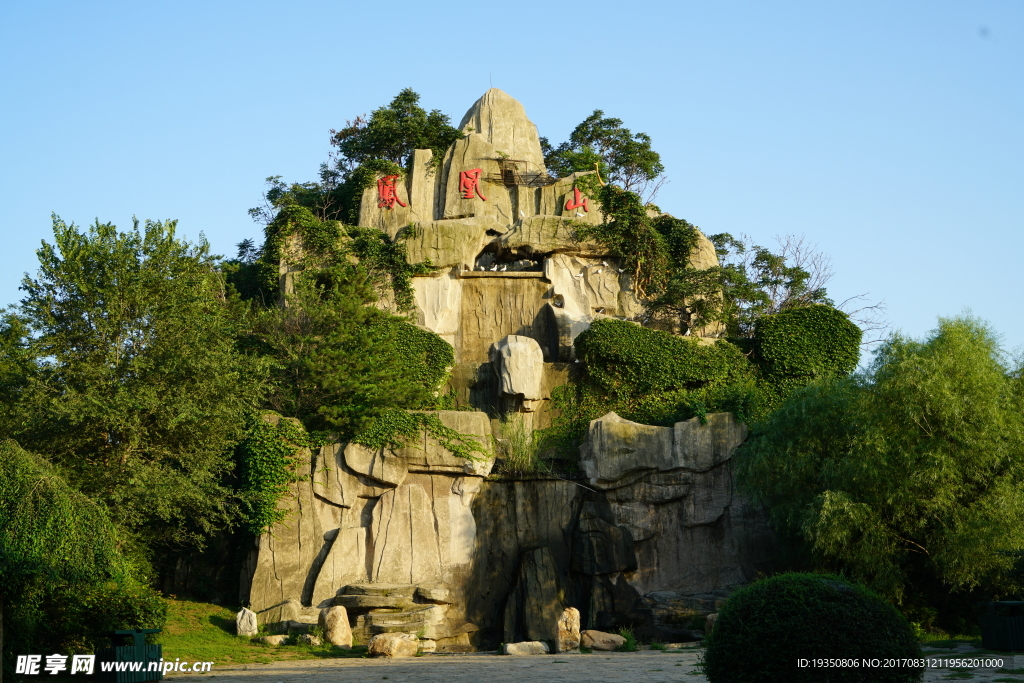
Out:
{"x": 518, "y": 448}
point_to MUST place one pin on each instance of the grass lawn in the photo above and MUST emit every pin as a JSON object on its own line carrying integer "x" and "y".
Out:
{"x": 199, "y": 631}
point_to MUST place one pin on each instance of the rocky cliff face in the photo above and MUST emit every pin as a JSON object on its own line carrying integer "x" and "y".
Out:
{"x": 419, "y": 541}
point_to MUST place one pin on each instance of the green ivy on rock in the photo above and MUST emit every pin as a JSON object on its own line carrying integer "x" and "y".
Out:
{"x": 268, "y": 464}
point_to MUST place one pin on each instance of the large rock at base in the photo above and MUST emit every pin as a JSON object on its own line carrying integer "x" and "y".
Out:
{"x": 345, "y": 563}
{"x": 405, "y": 543}
{"x": 528, "y": 647}
{"x": 289, "y": 610}
{"x": 334, "y": 623}
{"x": 599, "y": 640}
{"x": 245, "y": 623}
{"x": 273, "y": 640}
{"x": 568, "y": 631}
{"x": 535, "y": 603}
{"x": 393, "y": 645}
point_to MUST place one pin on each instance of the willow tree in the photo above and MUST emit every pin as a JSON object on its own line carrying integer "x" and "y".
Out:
{"x": 908, "y": 477}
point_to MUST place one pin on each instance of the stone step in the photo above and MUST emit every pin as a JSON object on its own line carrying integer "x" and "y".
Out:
{"x": 366, "y": 603}
{"x": 379, "y": 589}
{"x": 433, "y": 614}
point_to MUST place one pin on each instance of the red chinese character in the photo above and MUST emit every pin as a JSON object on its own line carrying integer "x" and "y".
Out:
{"x": 577, "y": 201}
{"x": 386, "y": 195}
{"x": 469, "y": 183}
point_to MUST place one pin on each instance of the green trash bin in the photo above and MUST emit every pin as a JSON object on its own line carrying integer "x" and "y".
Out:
{"x": 1002, "y": 625}
{"x": 137, "y": 661}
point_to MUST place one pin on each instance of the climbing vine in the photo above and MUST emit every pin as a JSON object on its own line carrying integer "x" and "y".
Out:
{"x": 268, "y": 464}
{"x": 394, "y": 428}
{"x": 321, "y": 241}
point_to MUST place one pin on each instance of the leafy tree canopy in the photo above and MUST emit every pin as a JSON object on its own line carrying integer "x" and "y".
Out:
{"x": 364, "y": 149}
{"x": 907, "y": 477}
{"x": 392, "y": 133}
{"x": 131, "y": 381}
{"x": 623, "y": 158}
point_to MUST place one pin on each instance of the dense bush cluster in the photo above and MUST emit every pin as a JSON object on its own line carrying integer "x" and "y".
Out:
{"x": 764, "y": 630}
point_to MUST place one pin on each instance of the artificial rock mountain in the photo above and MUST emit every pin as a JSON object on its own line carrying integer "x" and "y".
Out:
{"x": 419, "y": 541}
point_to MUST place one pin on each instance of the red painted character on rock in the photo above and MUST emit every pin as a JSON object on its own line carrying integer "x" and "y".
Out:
{"x": 386, "y": 195}
{"x": 469, "y": 184}
{"x": 577, "y": 201}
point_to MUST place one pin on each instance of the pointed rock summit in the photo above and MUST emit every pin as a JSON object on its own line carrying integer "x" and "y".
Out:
{"x": 502, "y": 120}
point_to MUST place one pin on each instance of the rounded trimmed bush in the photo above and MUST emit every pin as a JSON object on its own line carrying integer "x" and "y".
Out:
{"x": 764, "y": 630}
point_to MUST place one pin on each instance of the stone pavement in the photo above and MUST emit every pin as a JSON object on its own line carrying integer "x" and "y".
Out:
{"x": 648, "y": 666}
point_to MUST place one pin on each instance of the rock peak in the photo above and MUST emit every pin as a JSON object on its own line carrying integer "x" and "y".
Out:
{"x": 502, "y": 121}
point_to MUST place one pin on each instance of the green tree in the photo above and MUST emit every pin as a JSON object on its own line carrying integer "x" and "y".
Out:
{"x": 623, "y": 158}
{"x": 392, "y": 133}
{"x": 341, "y": 363}
{"x": 134, "y": 385}
{"x": 365, "y": 149}
{"x": 63, "y": 574}
{"x": 907, "y": 477}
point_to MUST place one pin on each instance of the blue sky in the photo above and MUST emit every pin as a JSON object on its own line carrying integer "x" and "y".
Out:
{"x": 889, "y": 133}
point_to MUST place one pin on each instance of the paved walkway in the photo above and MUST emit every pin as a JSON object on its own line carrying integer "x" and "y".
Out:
{"x": 649, "y": 666}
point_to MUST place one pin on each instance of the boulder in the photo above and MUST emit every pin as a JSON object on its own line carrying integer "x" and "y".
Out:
{"x": 334, "y": 623}
{"x": 376, "y": 463}
{"x": 700, "y": 447}
{"x": 520, "y": 363}
{"x": 617, "y": 451}
{"x": 245, "y": 623}
{"x": 599, "y": 640}
{"x": 393, "y": 645}
{"x": 298, "y": 626}
{"x": 568, "y": 631}
{"x": 528, "y": 647}
{"x": 437, "y": 594}
{"x": 273, "y": 640}
{"x": 310, "y": 639}
{"x": 428, "y": 645}
{"x": 289, "y": 610}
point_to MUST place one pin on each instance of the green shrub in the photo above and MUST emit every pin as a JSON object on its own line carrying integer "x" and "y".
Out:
{"x": 764, "y": 629}
{"x": 631, "y": 644}
{"x": 800, "y": 345}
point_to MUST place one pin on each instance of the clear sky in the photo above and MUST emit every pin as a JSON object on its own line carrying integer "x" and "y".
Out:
{"x": 889, "y": 133}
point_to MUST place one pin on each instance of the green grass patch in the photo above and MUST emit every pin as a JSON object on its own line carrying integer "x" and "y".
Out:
{"x": 200, "y": 631}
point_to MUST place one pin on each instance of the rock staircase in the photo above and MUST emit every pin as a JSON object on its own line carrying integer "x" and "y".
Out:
{"x": 375, "y": 608}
